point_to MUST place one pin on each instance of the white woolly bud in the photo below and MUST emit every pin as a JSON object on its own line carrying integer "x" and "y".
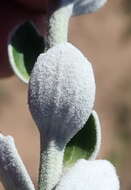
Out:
{"x": 61, "y": 92}
{"x": 90, "y": 175}
{"x": 61, "y": 98}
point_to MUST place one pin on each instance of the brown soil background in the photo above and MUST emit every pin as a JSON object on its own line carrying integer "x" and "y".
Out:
{"x": 104, "y": 37}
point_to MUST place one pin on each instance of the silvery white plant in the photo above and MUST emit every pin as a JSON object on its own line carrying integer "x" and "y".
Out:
{"x": 58, "y": 22}
{"x": 90, "y": 175}
{"x": 13, "y": 173}
{"x": 61, "y": 97}
{"x": 59, "y": 19}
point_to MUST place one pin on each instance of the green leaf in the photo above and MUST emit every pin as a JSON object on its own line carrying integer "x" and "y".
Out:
{"x": 86, "y": 143}
{"x": 24, "y": 47}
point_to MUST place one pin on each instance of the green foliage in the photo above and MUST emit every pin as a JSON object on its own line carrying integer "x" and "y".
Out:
{"x": 82, "y": 145}
{"x": 26, "y": 45}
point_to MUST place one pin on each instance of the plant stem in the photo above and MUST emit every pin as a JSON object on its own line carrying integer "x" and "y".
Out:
{"x": 58, "y": 25}
{"x": 51, "y": 164}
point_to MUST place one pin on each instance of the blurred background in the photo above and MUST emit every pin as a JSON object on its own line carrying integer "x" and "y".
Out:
{"x": 105, "y": 38}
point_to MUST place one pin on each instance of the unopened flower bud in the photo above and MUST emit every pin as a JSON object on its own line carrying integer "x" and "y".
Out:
{"x": 61, "y": 98}
{"x": 98, "y": 174}
{"x": 61, "y": 92}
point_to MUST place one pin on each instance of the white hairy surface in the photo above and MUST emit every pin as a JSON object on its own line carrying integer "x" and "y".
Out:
{"x": 87, "y": 6}
{"x": 13, "y": 173}
{"x": 61, "y": 91}
{"x": 90, "y": 175}
{"x": 58, "y": 25}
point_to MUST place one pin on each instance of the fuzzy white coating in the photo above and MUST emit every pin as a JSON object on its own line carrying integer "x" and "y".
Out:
{"x": 61, "y": 91}
{"x": 90, "y": 175}
{"x": 13, "y": 173}
{"x": 87, "y": 6}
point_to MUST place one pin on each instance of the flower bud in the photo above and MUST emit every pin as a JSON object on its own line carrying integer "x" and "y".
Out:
{"x": 61, "y": 98}
{"x": 98, "y": 174}
{"x": 61, "y": 92}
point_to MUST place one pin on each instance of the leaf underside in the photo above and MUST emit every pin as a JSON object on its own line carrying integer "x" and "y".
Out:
{"x": 26, "y": 45}
{"x": 82, "y": 145}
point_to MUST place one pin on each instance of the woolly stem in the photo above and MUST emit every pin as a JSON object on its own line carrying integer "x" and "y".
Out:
{"x": 13, "y": 173}
{"x": 51, "y": 163}
{"x": 58, "y": 25}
